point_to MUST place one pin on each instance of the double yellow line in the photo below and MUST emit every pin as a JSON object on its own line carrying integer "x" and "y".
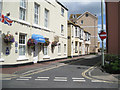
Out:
{"x": 92, "y": 78}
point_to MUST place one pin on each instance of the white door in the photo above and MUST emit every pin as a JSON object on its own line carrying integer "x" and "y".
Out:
{"x": 35, "y": 54}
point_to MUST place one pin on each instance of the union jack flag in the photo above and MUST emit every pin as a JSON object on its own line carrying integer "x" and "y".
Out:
{"x": 5, "y": 20}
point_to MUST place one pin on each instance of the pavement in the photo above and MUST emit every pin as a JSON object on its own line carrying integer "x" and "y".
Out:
{"x": 97, "y": 73}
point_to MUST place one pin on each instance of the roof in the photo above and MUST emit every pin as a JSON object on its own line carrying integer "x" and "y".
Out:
{"x": 88, "y": 13}
{"x": 86, "y": 31}
{"x": 71, "y": 16}
{"x": 61, "y": 5}
{"x": 70, "y": 22}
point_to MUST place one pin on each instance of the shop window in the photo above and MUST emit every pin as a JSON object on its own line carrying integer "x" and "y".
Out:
{"x": 22, "y": 9}
{"x": 22, "y": 45}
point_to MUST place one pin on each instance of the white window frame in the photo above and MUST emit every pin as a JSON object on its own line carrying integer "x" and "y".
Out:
{"x": 72, "y": 32}
{"x": 45, "y": 50}
{"x": 21, "y": 44}
{"x": 59, "y": 48}
{"x": 36, "y": 13}
{"x": 76, "y": 49}
{"x": 64, "y": 48}
{"x": 62, "y": 11}
{"x": 76, "y": 32}
{"x": 23, "y": 5}
{"x": 46, "y": 18}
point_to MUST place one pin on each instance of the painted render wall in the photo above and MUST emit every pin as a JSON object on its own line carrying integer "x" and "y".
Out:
{"x": 28, "y": 27}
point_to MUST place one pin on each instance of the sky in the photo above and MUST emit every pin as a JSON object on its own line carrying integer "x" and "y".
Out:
{"x": 81, "y": 6}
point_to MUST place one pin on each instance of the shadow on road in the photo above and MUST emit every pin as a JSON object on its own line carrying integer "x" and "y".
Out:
{"x": 83, "y": 61}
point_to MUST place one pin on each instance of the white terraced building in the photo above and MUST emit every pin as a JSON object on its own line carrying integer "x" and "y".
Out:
{"x": 43, "y": 21}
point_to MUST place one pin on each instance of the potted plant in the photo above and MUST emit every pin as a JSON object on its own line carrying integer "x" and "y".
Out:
{"x": 31, "y": 43}
{"x": 8, "y": 38}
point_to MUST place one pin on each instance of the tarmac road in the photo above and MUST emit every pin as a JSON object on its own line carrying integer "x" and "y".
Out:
{"x": 64, "y": 74}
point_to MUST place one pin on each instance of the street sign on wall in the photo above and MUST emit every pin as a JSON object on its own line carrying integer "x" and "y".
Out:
{"x": 102, "y": 35}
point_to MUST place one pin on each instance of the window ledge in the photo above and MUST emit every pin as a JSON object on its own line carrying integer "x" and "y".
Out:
{"x": 36, "y": 26}
{"x": 59, "y": 54}
{"x": 46, "y": 29}
{"x": 62, "y": 34}
{"x": 1, "y": 60}
{"x": 23, "y": 22}
{"x": 46, "y": 57}
{"x": 22, "y": 58}
{"x": 65, "y": 53}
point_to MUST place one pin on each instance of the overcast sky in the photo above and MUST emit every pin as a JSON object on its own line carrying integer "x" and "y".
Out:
{"x": 81, "y": 6}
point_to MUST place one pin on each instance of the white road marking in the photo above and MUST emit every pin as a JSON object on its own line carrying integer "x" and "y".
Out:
{"x": 59, "y": 80}
{"x": 22, "y": 79}
{"x": 60, "y": 77}
{"x": 97, "y": 81}
{"x": 77, "y": 78}
{"x": 25, "y": 77}
{"x": 42, "y": 79}
{"x": 6, "y": 78}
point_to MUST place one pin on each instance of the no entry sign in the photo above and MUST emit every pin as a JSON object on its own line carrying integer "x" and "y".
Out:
{"x": 102, "y": 35}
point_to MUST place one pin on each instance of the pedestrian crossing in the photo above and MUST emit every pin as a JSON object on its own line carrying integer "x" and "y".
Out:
{"x": 54, "y": 79}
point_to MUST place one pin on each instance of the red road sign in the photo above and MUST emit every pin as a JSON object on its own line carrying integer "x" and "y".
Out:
{"x": 102, "y": 35}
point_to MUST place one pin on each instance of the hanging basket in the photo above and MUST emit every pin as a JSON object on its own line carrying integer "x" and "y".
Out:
{"x": 31, "y": 43}
{"x": 8, "y": 39}
{"x": 54, "y": 44}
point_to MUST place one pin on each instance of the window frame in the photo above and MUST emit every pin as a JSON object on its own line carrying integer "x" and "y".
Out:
{"x": 81, "y": 21}
{"x": 62, "y": 29}
{"x": 45, "y": 49}
{"x": 46, "y": 18}
{"x": 22, "y": 45}
{"x": 23, "y": 9}
{"x": 59, "y": 48}
{"x": 62, "y": 11}
{"x": 65, "y": 48}
{"x": 36, "y": 13}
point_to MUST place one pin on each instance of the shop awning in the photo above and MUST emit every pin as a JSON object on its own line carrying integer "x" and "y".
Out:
{"x": 38, "y": 38}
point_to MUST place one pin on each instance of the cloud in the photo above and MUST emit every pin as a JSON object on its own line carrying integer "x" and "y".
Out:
{"x": 81, "y": 6}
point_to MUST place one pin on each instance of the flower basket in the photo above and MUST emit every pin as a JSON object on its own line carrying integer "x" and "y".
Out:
{"x": 54, "y": 44}
{"x": 47, "y": 42}
{"x": 9, "y": 39}
{"x": 31, "y": 43}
